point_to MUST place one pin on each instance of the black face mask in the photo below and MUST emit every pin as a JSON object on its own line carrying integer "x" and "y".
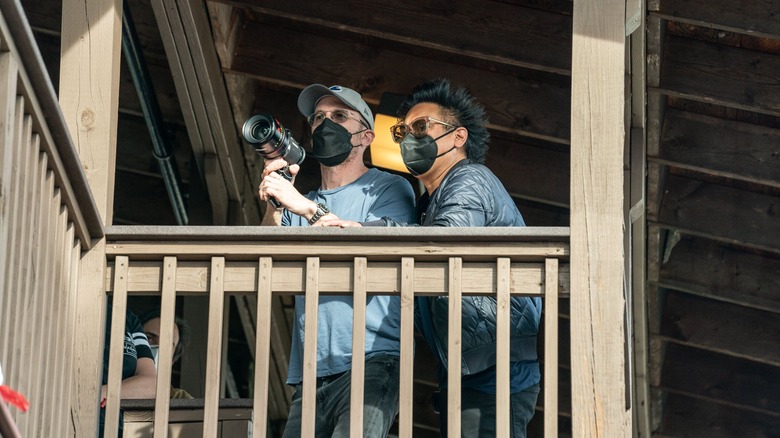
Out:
{"x": 419, "y": 154}
{"x": 331, "y": 143}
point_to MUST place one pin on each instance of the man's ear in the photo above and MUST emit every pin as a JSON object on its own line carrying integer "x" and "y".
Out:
{"x": 461, "y": 135}
{"x": 367, "y": 138}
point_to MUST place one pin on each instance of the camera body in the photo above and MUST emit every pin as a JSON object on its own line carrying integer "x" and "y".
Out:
{"x": 271, "y": 140}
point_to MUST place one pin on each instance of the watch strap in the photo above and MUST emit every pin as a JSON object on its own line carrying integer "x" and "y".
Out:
{"x": 322, "y": 210}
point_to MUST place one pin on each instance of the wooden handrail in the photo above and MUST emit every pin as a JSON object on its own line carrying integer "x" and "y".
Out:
{"x": 264, "y": 262}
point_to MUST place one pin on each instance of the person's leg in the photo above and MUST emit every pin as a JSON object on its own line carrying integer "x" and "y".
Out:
{"x": 293, "y": 427}
{"x": 523, "y": 406}
{"x": 380, "y": 398}
{"x": 477, "y": 415}
{"x": 380, "y": 395}
{"x": 478, "y": 412}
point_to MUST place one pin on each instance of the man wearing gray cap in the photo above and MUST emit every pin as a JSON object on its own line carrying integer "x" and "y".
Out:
{"x": 342, "y": 128}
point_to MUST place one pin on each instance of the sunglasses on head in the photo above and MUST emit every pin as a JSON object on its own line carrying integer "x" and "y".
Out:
{"x": 418, "y": 128}
{"x": 339, "y": 116}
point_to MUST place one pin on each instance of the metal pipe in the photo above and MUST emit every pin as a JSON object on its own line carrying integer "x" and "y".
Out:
{"x": 152, "y": 115}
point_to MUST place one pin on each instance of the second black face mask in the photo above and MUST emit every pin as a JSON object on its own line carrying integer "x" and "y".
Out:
{"x": 331, "y": 143}
{"x": 419, "y": 154}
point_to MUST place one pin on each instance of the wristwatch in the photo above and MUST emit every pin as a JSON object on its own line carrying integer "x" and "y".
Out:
{"x": 322, "y": 210}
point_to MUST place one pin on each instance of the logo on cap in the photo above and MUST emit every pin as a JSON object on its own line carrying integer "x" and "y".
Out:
{"x": 335, "y": 88}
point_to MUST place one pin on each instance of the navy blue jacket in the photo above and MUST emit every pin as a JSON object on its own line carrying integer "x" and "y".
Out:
{"x": 472, "y": 196}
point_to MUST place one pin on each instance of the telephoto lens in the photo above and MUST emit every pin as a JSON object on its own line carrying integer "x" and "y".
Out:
{"x": 271, "y": 140}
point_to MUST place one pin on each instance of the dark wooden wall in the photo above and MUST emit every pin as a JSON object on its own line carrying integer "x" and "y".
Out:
{"x": 714, "y": 232}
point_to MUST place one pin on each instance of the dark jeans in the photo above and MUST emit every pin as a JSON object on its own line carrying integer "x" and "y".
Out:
{"x": 380, "y": 402}
{"x": 478, "y": 414}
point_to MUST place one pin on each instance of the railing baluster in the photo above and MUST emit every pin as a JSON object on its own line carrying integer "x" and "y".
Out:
{"x": 165, "y": 355}
{"x": 406, "y": 400}
{"x": 262, "y": 347}
{"x": 20, "y": 250}
{"x": 21, "y": 346}
{"x": 551, "y": 348}
{"x": 358, "y": 347}
{"x": 9, "y": 70}
{"x": 214, "y": 360}
{"x": 453, "y": 346}
{"x": 502, "y": 340}
{"x": 308, "y": 406}
{"x": 116, "y": 350}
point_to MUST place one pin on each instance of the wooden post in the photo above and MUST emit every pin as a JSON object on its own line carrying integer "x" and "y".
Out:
{"x": 89, "y": 98}
{"x": 598, "y": 344}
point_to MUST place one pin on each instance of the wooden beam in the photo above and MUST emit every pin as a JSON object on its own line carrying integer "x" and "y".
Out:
{"x": 721, "y": 327}
{"x": 201, "y": 89}
{"x": 722, "y": 272}
{"x": 715, "y": 73}
{"x": 754, "y": 17}
{"x": 721, "y": 147}
{"x": 546, "y": 35}
{"x": 531, "y": 172}
{"x": 711, "y": 210}
{"x": 598, "y": 350}
{"x": 532, "y": 109}
{"x": 690, "y": 371}
{"x": 686, "y": 414}
{"x": 89, "y": 93}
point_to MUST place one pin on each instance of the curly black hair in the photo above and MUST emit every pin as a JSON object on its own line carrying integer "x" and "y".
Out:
{"x": 460, "y": 108}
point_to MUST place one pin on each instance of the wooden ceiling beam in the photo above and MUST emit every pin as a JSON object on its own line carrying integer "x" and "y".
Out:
{"x": 725, "y": 15}
{"x": 201, "y": 89}
{"x": 545, "y": 36}
{"x": 533, "y": 109}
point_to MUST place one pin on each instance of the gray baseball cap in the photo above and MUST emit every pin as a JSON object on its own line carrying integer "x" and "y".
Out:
{"x": 312, "y": 94}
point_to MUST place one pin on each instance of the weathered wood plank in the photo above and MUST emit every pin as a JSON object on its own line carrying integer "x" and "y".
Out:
{"x": 723, "y": 147}
{"x": 690, "y": 371}
{"x": 688, "y": 416}
{"x": 722, "y": 272}
{"x": 546, "y": 35}
{"x": 530, "y": 108}
{"x": 262, "y": 347}
{"x": 182, "y": 64}
{"x": 214, "y": 344}
{"x": 383, "y": 278}
{"x": 539, "y": 214}
{"x": 598, "y": 349}
{"x": 530, "y": 171}
{"x": 406, "y": 386}
{"x": 719, "y": 74}
{"x": 167, "y": 322}
{"x": 88, "y": 95}
{"x": 309, "y": 388}
{"x": 337, "y": 250}
{"x": 755, "y": 17}
{"x": 722, "y": 327}
{"x": 722, "y": 213}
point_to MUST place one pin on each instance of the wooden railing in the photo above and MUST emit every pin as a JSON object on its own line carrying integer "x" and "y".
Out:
{"x": 47, "y": 217}
{"x": 405, "y": 262}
